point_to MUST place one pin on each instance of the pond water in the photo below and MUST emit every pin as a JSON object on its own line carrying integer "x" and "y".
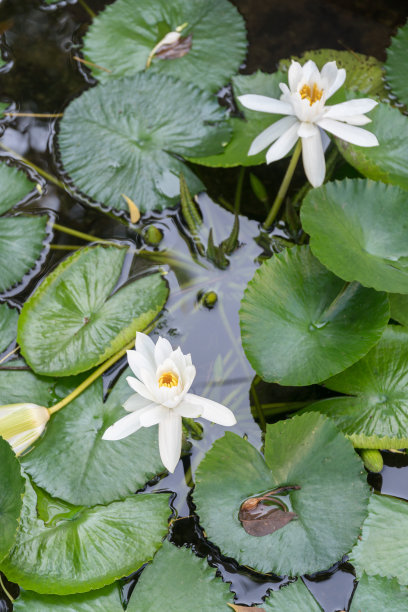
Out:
{"x": 43, "y": 77}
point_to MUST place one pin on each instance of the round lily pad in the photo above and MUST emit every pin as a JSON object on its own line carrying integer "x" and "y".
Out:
{"x": 127, "y": 136}
{"x": 72, "y": 461}
{"x": 291, "y": 597}
{"x": 399, "y": 308}
{"x": 101, "y": 600}
{"x": 72, "y": 322}
{"x": 301, "y": 324}
{"x": 15, "y": 186}
{"x": 177, "y": 570}
{"x": 376, "y": 594}
{"x": 18, "y": 384}
{"x": 397, "y": 54}
{"x": 325, "y": 485}
{"x": 387, "y": 161}
{"x": 8, "y": 325}
{"x": 23, "y": 241}
{"x": 72, "y": 549}
{"x": 11, "y": 494}
{"x": 355, "y": 236}
{"x": 382, "y": 550}
{"x": 374, "y": 414}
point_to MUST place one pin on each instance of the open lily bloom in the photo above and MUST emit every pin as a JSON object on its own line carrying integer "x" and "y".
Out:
{"x": 22, "y": 424}
{"x": 163, "y": 379}
{"x": 307, "y": 115}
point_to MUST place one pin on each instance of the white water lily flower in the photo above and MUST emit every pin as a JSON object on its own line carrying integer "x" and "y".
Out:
{"x": 22, "y": 424}
{"x": 163, "y": 379}
{"x": 307, "y": 115}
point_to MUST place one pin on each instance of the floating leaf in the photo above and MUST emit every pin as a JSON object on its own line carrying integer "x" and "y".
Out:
{"x": 80, "y": 549}
{"x": 72, "y": 323}
{"x": 397, "y": 54}
{"x": 388, "y": 161}
{"x": 399, "y": 308}
{"x": 353, "y": 232}
{"x": 102, "y": 600}
{"x": 375, "y": 412}
{"x": 127, "y": 136}
{"x": 72, "y": 461}
{"x": 306, "y": 451}
{"x": 375, "y": 594}
{"x": 11, "y": 494}
{"x": 290, "y": 598}
{"x": 122, "y": 37}
{"x": 17, "y": 385}
{"x": 15, "y": 186}
{"x": 382, "y": 550}
{"x": 23, "y": 239}
{"x": 8, "y": 325}
{"x": 186, "y": 583}
{"x": 301, "y": 324}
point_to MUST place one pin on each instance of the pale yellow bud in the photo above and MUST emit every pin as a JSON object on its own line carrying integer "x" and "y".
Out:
{"x": 22, "y": 424}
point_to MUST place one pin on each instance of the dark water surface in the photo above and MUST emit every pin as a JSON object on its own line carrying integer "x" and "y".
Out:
{"x": 42, "y": 76}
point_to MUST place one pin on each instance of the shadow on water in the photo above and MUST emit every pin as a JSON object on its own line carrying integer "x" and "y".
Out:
{"x": 41, "y": 76}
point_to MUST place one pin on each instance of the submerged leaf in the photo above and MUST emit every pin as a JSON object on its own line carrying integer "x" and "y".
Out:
{"x": 266, "y": 514}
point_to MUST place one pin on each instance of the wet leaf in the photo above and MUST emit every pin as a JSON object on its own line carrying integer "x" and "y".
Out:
{"x": 101, "y": 600}
{"x": 8, "y": 325}
{"x": 376, "y": 594}
{"x": 266, "y": 514}
{"x": 11, "y": 494}
{"x": 397, "y": 54}
{"x": 15, "y": 186}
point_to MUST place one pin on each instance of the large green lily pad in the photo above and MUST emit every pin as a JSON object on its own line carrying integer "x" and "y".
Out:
{"x": 178, "y": 580}
{"x": 375, "y": 594}
{"x": 126, "y": 137}
{"x": 354, "y": 232}
{"x": 399, "y": 307}
{"x": 72, "y": 461}
{"x": 301, "y": 324}
{"x": 306, "y": 451}
{"x": 382, "y": 550}
{"x": 15, "y": 186}
{"x": 65, "y": 549}
{"x": 397, "y": 54}
{"x": 18, "y": 384}
{"x": 101, "y": 600}
{"x": 11, "y": 496}
{"x": 374, "y": 414}
{"x": 72, "y": 323}
{"x": 8, "y": 325}
{"x": 122, "y": 37}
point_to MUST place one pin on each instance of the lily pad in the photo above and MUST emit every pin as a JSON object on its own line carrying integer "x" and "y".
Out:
{"x": 397, "y": 54}
{"x": 72, "y": 461}
{"x": 8, "y": 325}
{"x": 381, "y": 550}
{"x": 294, "y": 596}
{"x": 19, "y": 384}
{"x": 122, "y": 37}
{"x": 23, "y": 240}
{"x": 127, "y": 136}
{"x": 399, "y": 308}
{"x": 177, "y": 570}
{"x": 11, "y": 496}
{"x": 301, "y": 324}
{"x": 355, "y": 236}
{"x": 72, "y": 322}
{"x": 386, "y": 162}
{"x": 73, "y": 549}
{"x": 102, "y": 600}
{"x": 375, "y": 412}
{"x": 245, "y": 130}
{"x": 307, "y": 451}
{"x": 15, "y": 186}
{"x": 376, "y": 594}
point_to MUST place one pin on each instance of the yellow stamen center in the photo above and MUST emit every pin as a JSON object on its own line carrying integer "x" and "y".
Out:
{"x": 313, "y": 94}
{"x": 168, "y": 379}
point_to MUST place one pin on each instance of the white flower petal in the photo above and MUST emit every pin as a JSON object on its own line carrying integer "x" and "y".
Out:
{"x": 140, "y": 388}
{"x": 138, "y": 361}
{"x": 274, "y": 131}
{"x": 295, "y": 74}
{"x": 283, "y": 145}
{"x": 343, "y": 111}
{"x": 325, "y": 139}
{"x": 162, "y": 350}
{"x": 338, "y": 82}
{"x": 188, "y": 410}
{"x": 23, "y": 440}
{"x": 313, "y": 159}
{"x": 124, "y": 427}
{"x": 170, "y": 440}
{"x": 309, "y": 72}
{"x": 136, "y": 402}
{"x": 145, "y": 346}
{"x": 265, "y": 104}
{"x": 349, "y": 133}
{"x": 357, "y": 120}
{"x": 153, "y": 416}
{"x": 329, "y": 74}
{"x": 212, "y": 411}
{"x": 307, "y": 129}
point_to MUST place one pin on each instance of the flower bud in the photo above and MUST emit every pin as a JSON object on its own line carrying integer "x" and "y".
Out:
{"x": 22, "y": 424}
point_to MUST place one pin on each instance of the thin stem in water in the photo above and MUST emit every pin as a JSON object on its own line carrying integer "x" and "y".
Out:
{"x": 5, "y": 590}
{"x": 81, "y": 235}
{"x": 284, "y": 186}
{"x": 87, "y": 9}
{"x": 40, "y": 171}
{"x": 238, "y": 191}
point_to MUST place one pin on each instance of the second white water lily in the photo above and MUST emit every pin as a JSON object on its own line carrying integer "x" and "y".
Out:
{"x": 162, "y": 384}
{"x": 308, "y": 116}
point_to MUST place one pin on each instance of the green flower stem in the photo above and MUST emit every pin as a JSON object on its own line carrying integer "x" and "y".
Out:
{"x": 81, "y": 235}
{"x": 277, "y": 408}
{"x": 284, "y": 186}
{"x": 5, "y": 590}
{"x": 40, "y": 171}
{"x": 258, "y": 407}
{"x": 238, "y": 191}
{"x": 87, "y": 9}
{"x": 65, "y": 247}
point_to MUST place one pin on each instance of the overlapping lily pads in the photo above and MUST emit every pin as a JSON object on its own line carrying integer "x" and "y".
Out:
{"x": 72, "y": 323}
{"x": 11, "y": 494}
{"x": 397, "y": 54}
{"x": 122, "y": 37}
{"x": 399, "y": 308}
{"x": 381, "y": 550}
{"x": 306, "y": 451}
{"x": 72, "y": 461}
{"x": 8, "y": 325}
{"x": 58, "y": 548}
{"x": 374, "y": 414}
{"x": 359, "y": 229}
{"x": 186, "y": 583}
{"x": 126, "y": 137}
{"x": 301, "y": 324}
{"x": 101, "y": 600}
